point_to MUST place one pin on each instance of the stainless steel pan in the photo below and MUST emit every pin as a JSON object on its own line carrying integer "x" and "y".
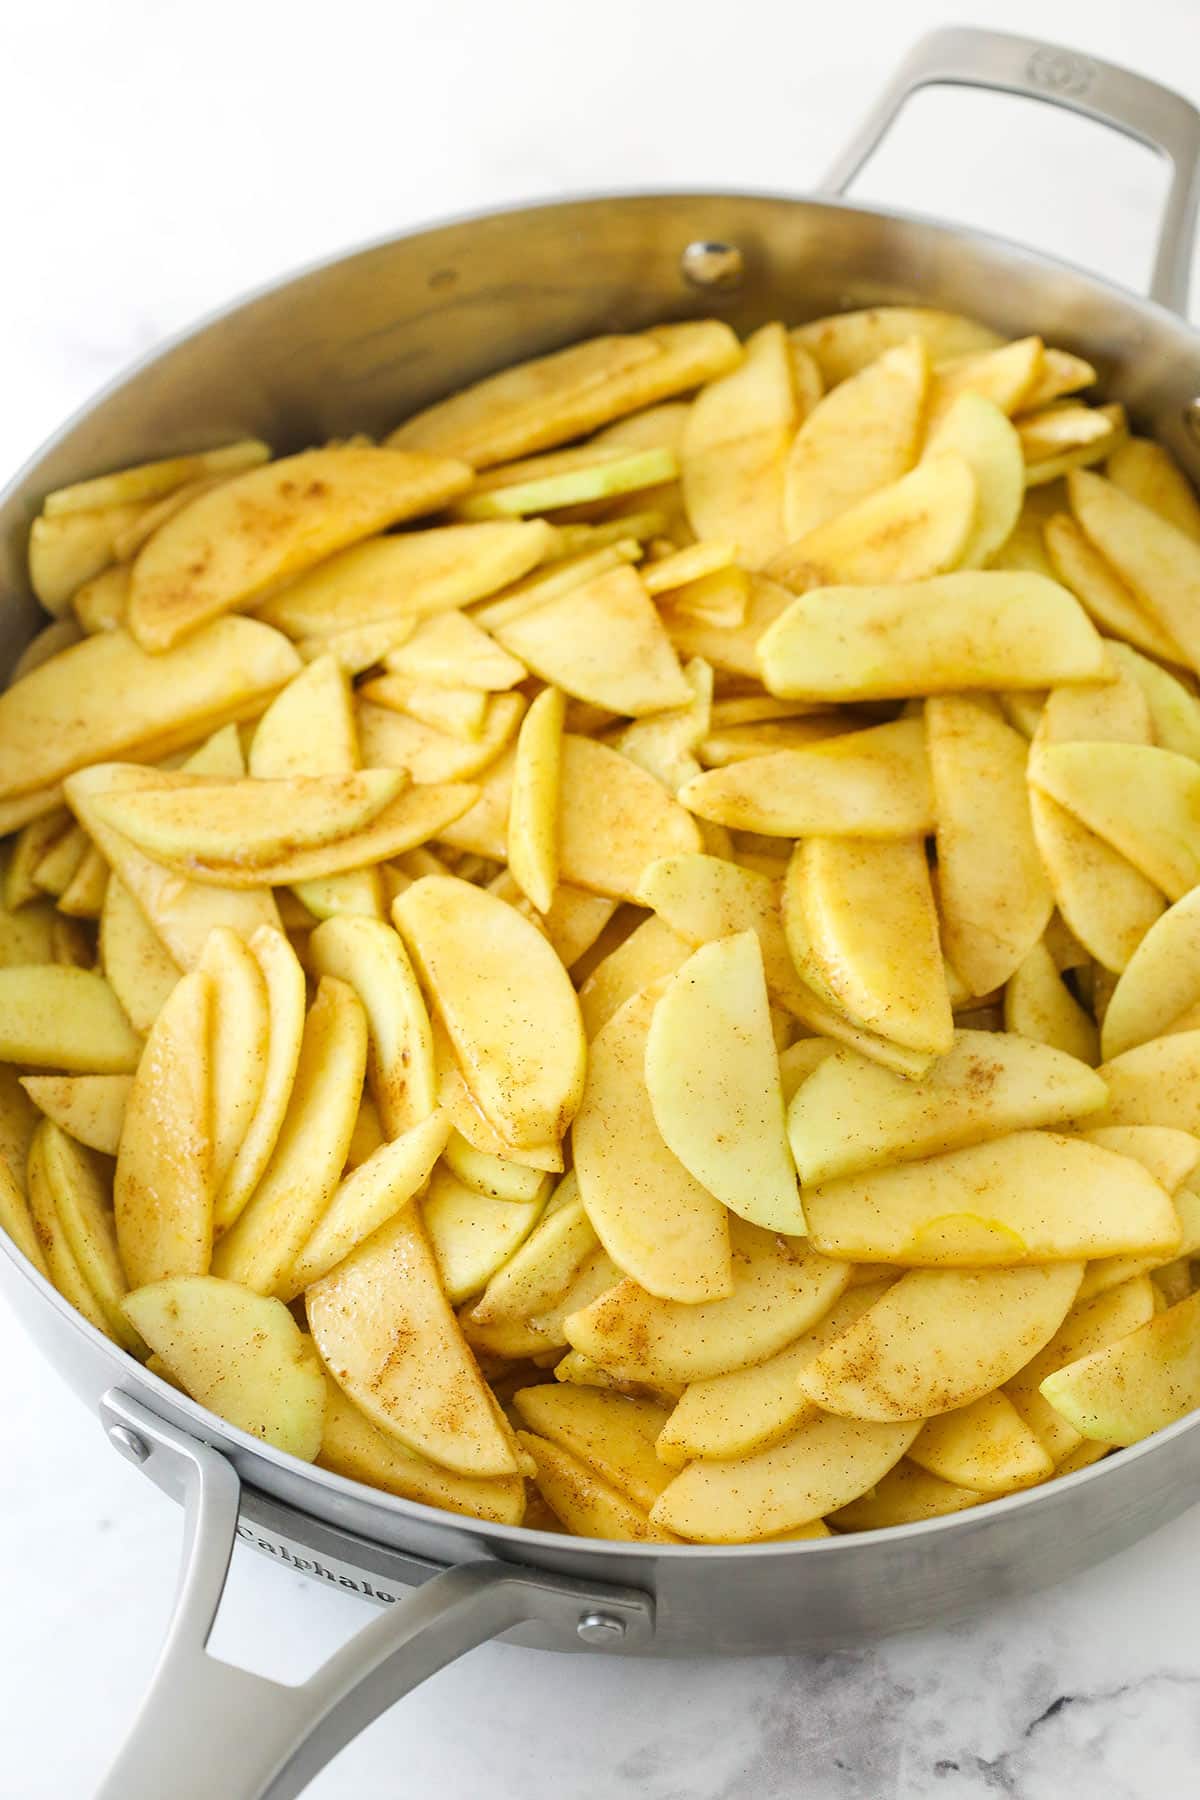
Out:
{"x": 360, "y": 343}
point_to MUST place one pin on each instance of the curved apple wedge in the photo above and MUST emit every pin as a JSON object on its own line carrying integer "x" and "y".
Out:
{"x": 582, "y": 1500}
{"x": 1030, "y": 1197}
{"x": 862, "y": 436}
{"x": 302, "y": 1176}
{"x": 872, "y": 935}
{"x": 734, "y": 447}
{"x": 473, "y": 1235}
{"x": 823, "y": 1465}
{"x": 239, "y": 1354}
{"x": 386, "y": 1333}
{"x": 59, "y": 1017}
{"x": 1157, "y": 1083}
{"x": 1142, "y": 800}
{"x": 162, "y": 1195}
{"x": 939, "y": 1339}
{"x": 872, "y": 783}
{"x": 240, "y": 1027}
{"x": 712, "y": 1076}
{"x": 520, "y": 1044}
{"x": 914, "y": 528}
{"x": 82, "y": 1196}
{"x": 234, "y": 542}
{"x": 981, "y": 628}
{"x": 1138, "y": 1385}
{"x": 779, "y": 1290}
{"x": 1157, "y": 561}
{"x": 90, "y": 1107}
{"x": 995, "y": 898}
{"x": 1092, "y": 1324}
{"x": 1160, "y": 982}
{"x": 283, "y": 984}
{"x": 658, "y": 1221}
{"x": 986, "y": 1447}
{"x": 851, "y": 1114}
{"x": 367, "y": 1198}
{"x": 976, "y": 429}
{"x": 248, "y": 821}
{"x": 369, "y": 955}
{"x": 352, "y": 1446}
{"x": 612, "y": 1433}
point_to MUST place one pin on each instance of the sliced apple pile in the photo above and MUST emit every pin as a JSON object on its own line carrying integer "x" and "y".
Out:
{"x": 632, "y": 951}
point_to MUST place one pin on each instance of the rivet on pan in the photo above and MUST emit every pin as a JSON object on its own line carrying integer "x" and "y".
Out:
{"x": 129, "y": 1443}
{"x": 713, "y": 266}
{"x": 1191, "y": 418}
{"x": 600, "y": 1628}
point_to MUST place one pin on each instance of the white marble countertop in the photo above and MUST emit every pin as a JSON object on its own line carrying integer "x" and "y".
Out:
{"x": 160, "y": 158}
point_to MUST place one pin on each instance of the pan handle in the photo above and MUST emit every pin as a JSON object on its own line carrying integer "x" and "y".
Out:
{"x": 208, "y": 1728}
{"x": 962, "y": 56}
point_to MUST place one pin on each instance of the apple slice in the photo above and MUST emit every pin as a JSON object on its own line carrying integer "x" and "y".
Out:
{"x": 744, "y": 1411}
{"x": 986, "y": 1446}
{"x": 1138, "y": 798}
{"x": 413, "y": 574}
{"x": 71, "y": 548}
{"x": 1157, "y": 561}
{"x": 163, "y": 1193}
{"x": 451, "y": 647}
{"x": 612, "y": 1433}
{"x": 1111, "y": 605}
{"x": 1160, "y": 982}
{"x": 974, "y": 428}
{"x": 706, "y": 897}
{"x": 181, "y": 912}
{"x": 872, "y": 934}
{"x": 939, "y": 1339}
{"x": 1062, "y": 373}
{"x": 53, "y": 1254}
{"x": 846, "y": 342}
{"x": 614, "y": 819}
{"x": 472, "y": 1235}
{"x": 81, "y": 1193}
{"x": 299, "y": 1182}
{"x": 821, "y": 1466}
{"x": 587, "y": 1505}
{"x": 861, "y": 437}
{"x": 368, "y": 955}
{"x": 389, "y": 1339}
{"x": 105, "y": 696}
{"x": 995, "y": 899}
{"x": 658, "y": 1222}
{"x": 1007, "y": 376}
{"x": 283, "y": 980}
{"x": 374, "y": 1191}
{"x": 851, "y": 1115}
{"x": 138, "y": 967}
{"x": 153, "y": 480}
{"x": 555, "y": 398}
{"x": 1138, "y": 1385}
{"x": 250, "y": 822}
{"x": 651, "y": 951}
{"x": 1174, "y": 709}
{"x": 979, "y": 628}
{"x": 913, "y": 528}
{"x": 1148, "y": 473}
{"x": 1038, "y": 1004}
{"x": 495, "y": 1177}
{"x": 1157, "y": 1083}
{"x": 734, "y": 650}
{"x": 1092, "y": 1324}
{"x": 239, "y": 1027}
{"x": 240, "y": 1354}
{"x": 1030, "y": 1197}
{"x": 236, "y": 540}
{"x": 734, "y": 447}
{"x": 533, "y": 809}
{"x": 60, "y": 1017}
{"x": 779, "y": 1290}
{"x": 353, "y": 1447}
{"x": 872, "y": 783}
{"x": 906, "y": 1495}
{"x": 91, "y": 1108}
{"x": 522, "y": 1049}
{"x": 712, "y": 1077}
{"x": 540, "y": 1271}
{"x": 16, "y": 1219}
{"x": 561, "y": 640}
{"x": 583, "y": 474}
{"x": 461, "y": 1108}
